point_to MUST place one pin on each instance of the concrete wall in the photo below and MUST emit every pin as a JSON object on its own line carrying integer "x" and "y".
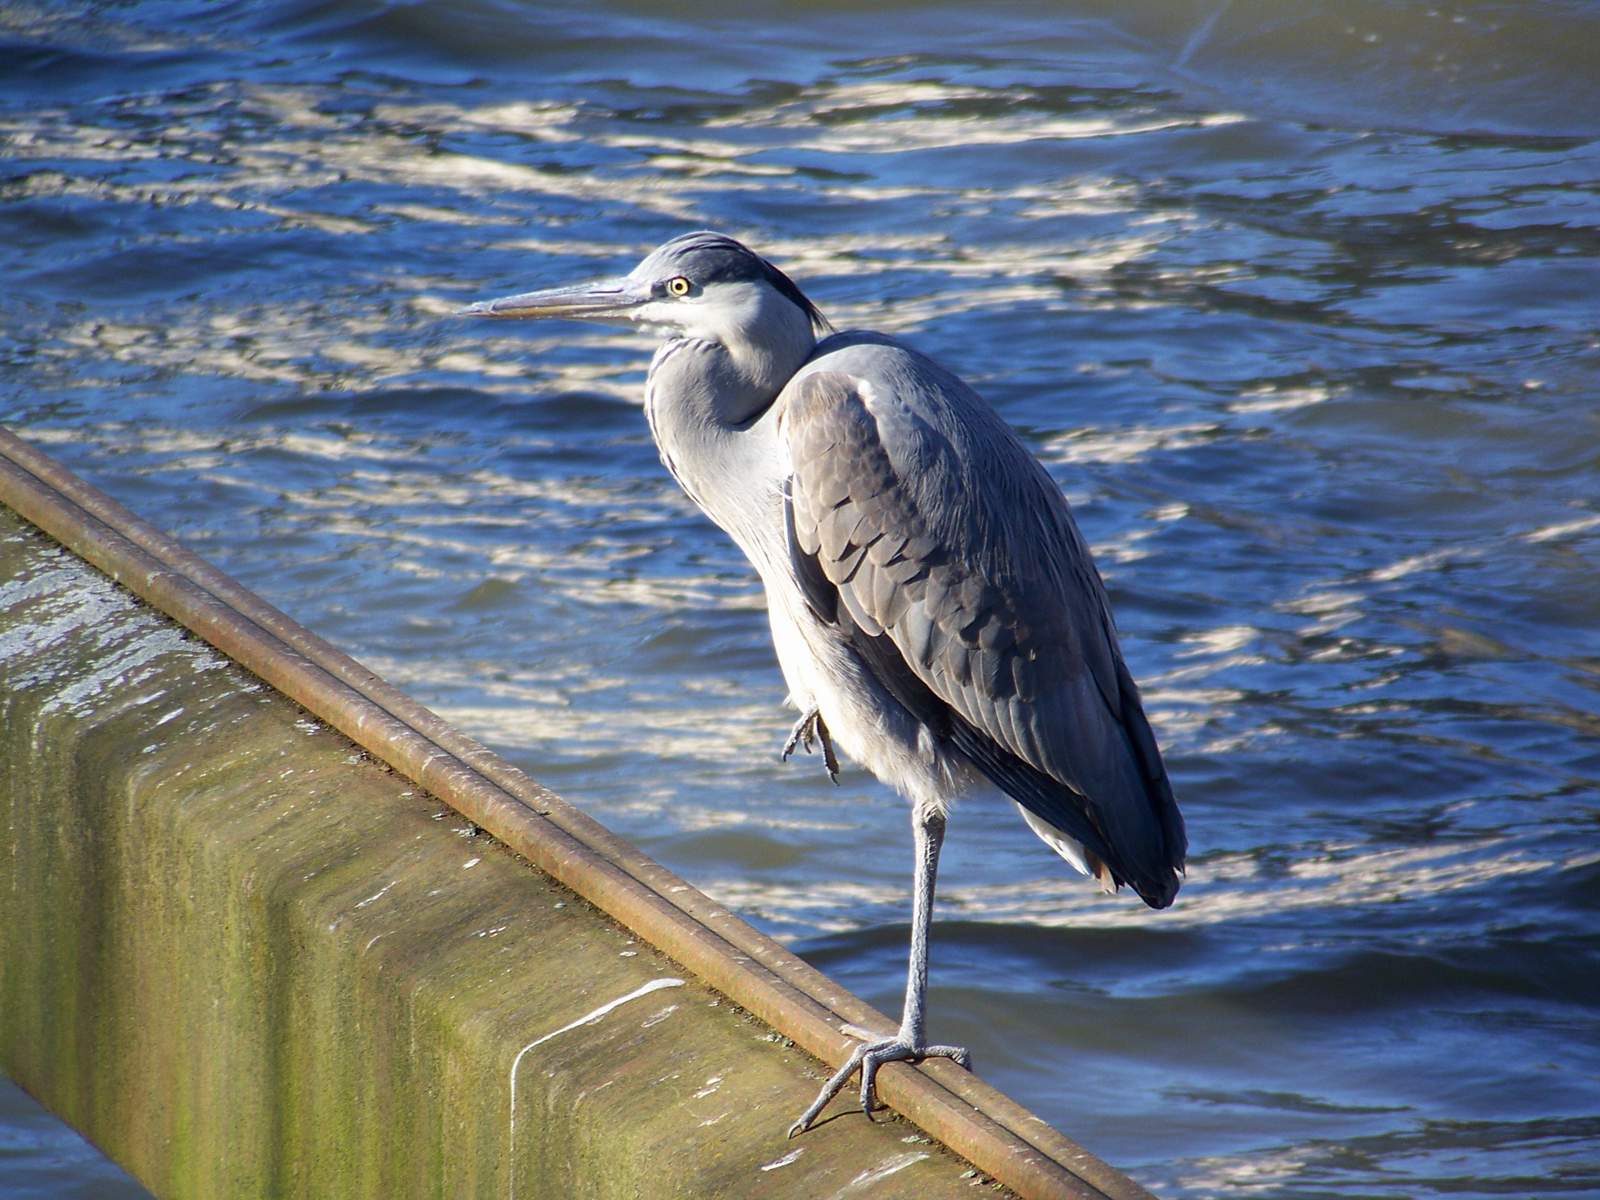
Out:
{"x": 247, "y": 960}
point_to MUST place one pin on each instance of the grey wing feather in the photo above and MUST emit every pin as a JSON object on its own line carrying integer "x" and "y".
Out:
{"x": 954, "y": 554}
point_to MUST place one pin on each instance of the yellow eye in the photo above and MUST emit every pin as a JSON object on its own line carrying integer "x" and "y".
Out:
{"x": 678, "y": 285}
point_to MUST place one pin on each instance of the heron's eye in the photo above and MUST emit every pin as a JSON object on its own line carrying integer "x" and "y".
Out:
{"x": 678, "y": 285}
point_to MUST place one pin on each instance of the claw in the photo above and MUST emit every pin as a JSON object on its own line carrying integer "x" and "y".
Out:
{"x": 828, "y": 760}
{"x": 869, "y": 1058}
{"x": 800, "y": 733}
{"x": 807, "y": 731}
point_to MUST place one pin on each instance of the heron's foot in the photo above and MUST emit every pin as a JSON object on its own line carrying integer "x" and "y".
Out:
{"x": 807, "y": 732}
{"x": 869, "y": 1057}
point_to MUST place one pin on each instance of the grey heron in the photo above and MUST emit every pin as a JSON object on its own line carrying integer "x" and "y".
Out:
{"x": 934, "y": 609}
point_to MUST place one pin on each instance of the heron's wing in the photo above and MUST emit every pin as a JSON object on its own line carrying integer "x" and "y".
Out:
{"x": 919, "y": 521}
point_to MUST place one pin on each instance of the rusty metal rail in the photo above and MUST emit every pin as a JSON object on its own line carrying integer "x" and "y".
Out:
{"x": 993, "y": 1132}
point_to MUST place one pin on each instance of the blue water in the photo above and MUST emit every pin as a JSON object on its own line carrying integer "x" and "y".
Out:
{"x": 42, "y": 1159}
{"x": 1300, "y": 303}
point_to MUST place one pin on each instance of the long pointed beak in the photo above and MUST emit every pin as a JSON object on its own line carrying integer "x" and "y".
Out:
{"x": 606, "y": 299}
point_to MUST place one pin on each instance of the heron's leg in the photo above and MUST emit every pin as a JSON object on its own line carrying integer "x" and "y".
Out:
{"x": 907, "y": 1045}
{"x": 807, "y": 731}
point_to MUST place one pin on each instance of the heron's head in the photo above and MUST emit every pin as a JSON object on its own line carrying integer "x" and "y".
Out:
{"x": 701, "y": 285}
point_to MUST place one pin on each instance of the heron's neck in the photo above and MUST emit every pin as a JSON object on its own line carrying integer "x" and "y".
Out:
{"x": 706, "y": 406}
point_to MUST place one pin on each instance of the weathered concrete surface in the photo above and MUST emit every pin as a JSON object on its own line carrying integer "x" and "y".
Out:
{"x": 246, "y": 960}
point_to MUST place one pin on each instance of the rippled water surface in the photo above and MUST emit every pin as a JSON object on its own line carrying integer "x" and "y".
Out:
{"x": 1300, "y": 303}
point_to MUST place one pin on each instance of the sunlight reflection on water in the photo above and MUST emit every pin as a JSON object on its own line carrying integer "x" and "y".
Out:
{"x": 1298, "y": 307}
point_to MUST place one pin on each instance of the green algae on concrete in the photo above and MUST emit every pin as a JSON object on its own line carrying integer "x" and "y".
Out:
{"x": 247, "y": 960}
